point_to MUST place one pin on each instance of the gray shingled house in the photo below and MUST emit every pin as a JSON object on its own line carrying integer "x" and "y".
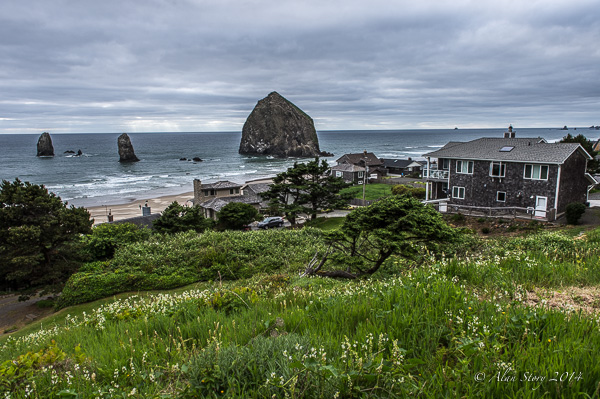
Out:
{"x": 366, "y": 160}
{"x": 402, "y": 166}
{"x": 350, "y": 173}
{"x": 525, "y": 173}
{"x": 212, "y": 197}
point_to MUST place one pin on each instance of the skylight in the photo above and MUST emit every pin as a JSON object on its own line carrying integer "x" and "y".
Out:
{"x": 506, "y": 149}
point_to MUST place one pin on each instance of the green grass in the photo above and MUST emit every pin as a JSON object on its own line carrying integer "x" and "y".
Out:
{"x": 327, "y": 223}
{"x": 452, "y": 327}
{"x": 372, "y": 191}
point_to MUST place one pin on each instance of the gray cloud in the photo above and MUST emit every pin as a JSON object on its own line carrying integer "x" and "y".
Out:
{"x": 176, "y": 65}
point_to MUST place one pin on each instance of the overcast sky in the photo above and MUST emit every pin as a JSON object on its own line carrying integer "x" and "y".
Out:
{"x": 160, "y": 65}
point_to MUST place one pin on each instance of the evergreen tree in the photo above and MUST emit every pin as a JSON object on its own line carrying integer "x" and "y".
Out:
{"x": 394, "y": 225}
{"x": 40, "y": 245}
{"x": 236, "y": 215}
{"x": 177, "y": 218}
{"x": 306, "y": 188}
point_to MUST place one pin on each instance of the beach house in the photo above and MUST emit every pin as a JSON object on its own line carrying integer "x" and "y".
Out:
{"x": 212, "y": 197}
{"x": 366, "y": 165}
{"x": 524, "y": 174}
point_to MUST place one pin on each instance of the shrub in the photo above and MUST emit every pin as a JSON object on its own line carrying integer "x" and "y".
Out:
{"x": 403, "y": 189}
{"x": 178, "y": 218}
{"x": 458, "y": 218}
{"x": 236, "y": 215}
{"x": 574, "y": 212}
{"x": 170, "y": 261}
{"x": 107, "y": 237}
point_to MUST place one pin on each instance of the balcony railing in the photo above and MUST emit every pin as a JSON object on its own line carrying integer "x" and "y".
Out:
{"x": 436, "y": 174}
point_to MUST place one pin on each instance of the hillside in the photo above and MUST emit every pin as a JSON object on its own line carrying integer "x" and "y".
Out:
{"x": 484, "y": 322}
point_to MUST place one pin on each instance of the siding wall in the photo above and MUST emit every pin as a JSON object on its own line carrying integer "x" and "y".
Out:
{"x": 573, "y": 184}
{"x": 481, "y": 188}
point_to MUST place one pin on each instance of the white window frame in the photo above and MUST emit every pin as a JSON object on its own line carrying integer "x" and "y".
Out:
{"x": 361, "y": 175}
{"x": 470, "y": 166}
{"x": 501, "y": 169}
{"x": 338, "y": 173}
{"x": 360, "y": 182}
{"x": 532, "y": 174}
{"x": 498, "y": 194}
{"x": 456, "y": 192}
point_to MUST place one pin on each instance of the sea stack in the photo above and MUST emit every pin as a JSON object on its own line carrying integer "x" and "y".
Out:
{"x": 44, "y": 146}
{"x": 126, "y": 153}
{"x": 279, "y": 128}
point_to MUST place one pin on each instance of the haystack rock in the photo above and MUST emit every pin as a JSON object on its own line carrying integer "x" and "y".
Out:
{"x": 44, "y": 146}
{"x": 277, "y": 127}
{"x": 126, "y": 153}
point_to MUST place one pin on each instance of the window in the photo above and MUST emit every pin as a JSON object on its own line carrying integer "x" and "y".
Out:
{"x": 360, "y": 182}
{"x": 506, "y": 149}
{"x": 536, "y": 172}
{"x": 445, "y": 164}
{"x": 497, "y": 169}
{"x": 501, "y": 196}
{"x": 361, "y": 175}
{"x": 234, "y": 191}
{"x": 458, "y": 192}
{"x": 464, "y": 167}
{"x": 338, "y": 174}
{"x": 209, "y": 192}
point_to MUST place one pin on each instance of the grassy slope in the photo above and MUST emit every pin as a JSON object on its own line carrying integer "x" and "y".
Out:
{"x": 426, "y": 332}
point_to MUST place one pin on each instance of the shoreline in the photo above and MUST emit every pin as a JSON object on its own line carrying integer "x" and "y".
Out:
{"x": 133, "y": 208}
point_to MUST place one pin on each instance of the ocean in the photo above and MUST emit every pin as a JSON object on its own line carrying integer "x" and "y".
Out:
{"x": 97, "y": 178}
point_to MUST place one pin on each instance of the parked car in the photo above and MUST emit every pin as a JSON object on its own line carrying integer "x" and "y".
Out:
{"x": 274, "y": 221}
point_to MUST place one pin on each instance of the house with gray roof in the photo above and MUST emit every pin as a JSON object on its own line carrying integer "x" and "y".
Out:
{"x": 366, "y": 160}
{"x": 212, "y": 197}
{"x": 526, "y": 173}
{"x": 350, "y": 173}
{"x": 402, "y": 166}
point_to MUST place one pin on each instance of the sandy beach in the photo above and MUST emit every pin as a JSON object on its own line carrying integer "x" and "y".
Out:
{"x": 132, "y": 209}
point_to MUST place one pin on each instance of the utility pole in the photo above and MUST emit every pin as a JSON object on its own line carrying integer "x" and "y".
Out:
{"x": 365, "y": 179}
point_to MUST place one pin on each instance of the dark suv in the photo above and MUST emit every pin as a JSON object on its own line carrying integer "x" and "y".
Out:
{"x": 274, "y": 221}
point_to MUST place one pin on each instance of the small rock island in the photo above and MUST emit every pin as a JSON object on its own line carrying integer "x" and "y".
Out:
{"x": 44, "y": 146}
{"x": 126, "y": 153}
{"x": 278, "y": 128}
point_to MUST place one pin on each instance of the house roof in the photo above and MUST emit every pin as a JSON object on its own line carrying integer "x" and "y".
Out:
{"x": 401, "y": 163}
{"x": 535, "y": 150}
{"x": 223, "y": 184}
{"x": 396, "y": 163}
{"x": 218, "y": 203}
{"x": 256, "y": 188}
{"x": 347, "y": 167}
{"x": 140, "y": 221}
{"x": 369, "y": 157}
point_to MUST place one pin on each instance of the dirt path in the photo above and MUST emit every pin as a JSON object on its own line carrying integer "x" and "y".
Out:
{"x": 15, "y": 314}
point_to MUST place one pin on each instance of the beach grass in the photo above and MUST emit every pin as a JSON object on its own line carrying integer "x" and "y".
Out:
{"x": 449, "y": 326}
